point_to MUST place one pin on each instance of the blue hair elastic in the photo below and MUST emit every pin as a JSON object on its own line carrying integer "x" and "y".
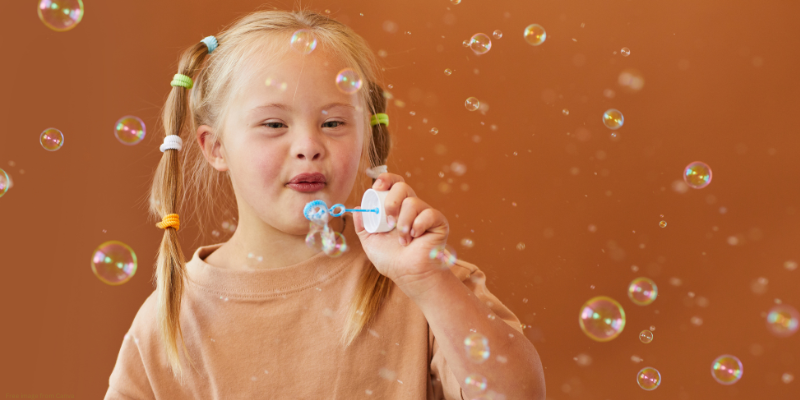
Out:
{"x": 211, "y": 43}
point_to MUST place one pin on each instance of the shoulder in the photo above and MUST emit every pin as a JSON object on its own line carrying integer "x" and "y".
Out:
{"x": 145, "y": 322}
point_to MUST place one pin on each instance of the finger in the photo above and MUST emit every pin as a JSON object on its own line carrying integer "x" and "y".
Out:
{"x": 409, "y": 210}
{"x": 386, "y": 180}
{"x": 358, "y": 222}
{"x": 397, "y": 194}
{"x": 429, "y": 220}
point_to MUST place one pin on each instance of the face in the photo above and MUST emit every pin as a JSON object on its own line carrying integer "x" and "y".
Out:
{"x": 290, "y": 137}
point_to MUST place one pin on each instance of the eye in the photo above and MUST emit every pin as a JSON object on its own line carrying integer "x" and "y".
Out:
{"x": 335, "y": 124}
{"x": 274, "y": 125}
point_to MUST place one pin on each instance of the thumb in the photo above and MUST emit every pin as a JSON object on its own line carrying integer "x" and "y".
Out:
{"x": 358, "y": 222}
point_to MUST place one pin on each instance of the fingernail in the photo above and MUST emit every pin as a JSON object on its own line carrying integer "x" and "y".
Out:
{"x": 378, "y": 182}
{"x": 412, "y": 233}
{"x": 391, "y": 221}
{"x": 404, "y": 229}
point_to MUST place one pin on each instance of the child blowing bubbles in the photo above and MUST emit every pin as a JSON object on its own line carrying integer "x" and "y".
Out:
{"x": 381, "y": 321}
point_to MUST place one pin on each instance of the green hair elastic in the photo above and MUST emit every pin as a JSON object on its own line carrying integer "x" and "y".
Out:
{"x": 181, "y": 80}
{"x": 379, "y": 118}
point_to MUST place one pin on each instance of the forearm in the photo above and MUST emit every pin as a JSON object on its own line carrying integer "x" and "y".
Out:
{"x": 454, "y": 312}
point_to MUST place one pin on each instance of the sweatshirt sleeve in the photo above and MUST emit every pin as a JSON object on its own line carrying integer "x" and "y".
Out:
{"x": 129, "y": 379}
{"x": 446, "y": 385}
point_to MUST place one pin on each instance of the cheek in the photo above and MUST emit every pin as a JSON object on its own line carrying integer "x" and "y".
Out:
{"x": 257, "y": 166}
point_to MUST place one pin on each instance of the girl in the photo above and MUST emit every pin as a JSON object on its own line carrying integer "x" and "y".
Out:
{"x": 256, "y": 115}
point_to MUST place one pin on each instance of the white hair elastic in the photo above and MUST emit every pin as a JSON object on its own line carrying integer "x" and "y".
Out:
{"x": 374, "y": 172}
{"x": 171, "y": 142}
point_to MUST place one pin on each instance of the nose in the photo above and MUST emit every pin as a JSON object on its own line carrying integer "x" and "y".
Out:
{"x": 308, "y": 147}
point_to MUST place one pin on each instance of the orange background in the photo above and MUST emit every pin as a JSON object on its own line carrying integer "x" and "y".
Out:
{"x": 721, "y": 87}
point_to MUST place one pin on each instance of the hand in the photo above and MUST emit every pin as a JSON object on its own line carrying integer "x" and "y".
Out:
{"x": 403, "y": 254}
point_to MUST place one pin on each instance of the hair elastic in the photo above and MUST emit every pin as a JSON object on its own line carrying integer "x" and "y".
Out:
{"x": 211, "y": 43}
{"x": 379, "y": 118}
{"x": 170, "y": 220}
{"x": 171, "y": 142}
{"x": 374, "y": 172}
{"x": 181, "y": 80}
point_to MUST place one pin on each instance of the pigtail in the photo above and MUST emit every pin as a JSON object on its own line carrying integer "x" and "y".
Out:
{"x": 165, "y": 199}
{"x": 373, "y": 288}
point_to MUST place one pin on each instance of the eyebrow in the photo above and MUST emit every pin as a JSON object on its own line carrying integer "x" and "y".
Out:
{"x": 286, "y": 107}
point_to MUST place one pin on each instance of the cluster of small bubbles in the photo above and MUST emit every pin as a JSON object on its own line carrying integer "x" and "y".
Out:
{"x": 534, "y": 34}
{"x": 783, "y": 320}
{"x": 726, "y": 369}
{"x": 434, "y": 130}
{"x": 51, "y": 139}
{"x": 273, "y": 82}
{"x": 303, "y": 41}
{"x": 129, "y": 130}
{"x": 565, "y": 111}
{"x": 448, "y": 71}
{"x": 472, "y": 103}
{"x": 642, "y": 291}
{"x": 480, "y": 43}
{"x": 646, "y": 336}
{"x": 697, "y": 175}
{"x": 662, "y": 224}
{"x": 5, "y": 182}
{"x": 348, "y": 81}
{"x": 321, "y": 236}
{"x": 631, "y": 79}
{"x": 602, "y": 318}
{"x": 497, "y": 34}
{"x": 445, "y": 254}
{"x": 468, "y": 243}
{"x": 613, "y": 119}
{"x": 215, "y": 233}
{"x": 60, "y": 15}
{"x": 229, "y": 226}
{"x": 114, "y": 262}
{"x": 520, "y": 246}
{"x": 625, "y": 51}
{"x": 477, "y": 347}
{"x": 476, "y": 381}
{"x": 648, "y": 378}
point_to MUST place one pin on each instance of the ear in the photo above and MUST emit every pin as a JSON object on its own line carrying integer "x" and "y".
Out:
{"x": 212, "y": 148}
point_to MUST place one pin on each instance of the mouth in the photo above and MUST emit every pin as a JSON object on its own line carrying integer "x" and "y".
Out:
{"x": 308, "y": 182}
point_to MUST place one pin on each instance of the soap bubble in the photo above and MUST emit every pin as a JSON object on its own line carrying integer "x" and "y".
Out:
{"x": 476, "y": 381}
{"x": 348, "y": 81}
{"x": 467, "y": 242}
{"x": 60, "y": 15}
{"x": 648, "y": 378}
{"x": 51, "y": 139}
{"x": 602, "y": 318}
{"x": 472, "y": 104}
{"x": 662, "y": 224}
{"x": 646, "y": 336}
{"x": 448, "y": 71}
{"x": 477, "y": 347}
{"x": 5, "y": 182}
{"x": 497, "y": 34}
{"x": 631, "y": 79}
{"x": 625, "y": 51}
{"x": 129, "y": 130}
{"x": 613, "y": 119}
{"x": 642, "y": 291}
{"x": 480, "y": 43}
{"x": 535, "y": 35}
{"x": 726, "y": 369}
{"x": 465, "y": 43}
{"x": 455, "y": 2}
{"x": 445, "y": 254}
{"x": 783, "y": 320}
{"x": 114, "y": 263}
{"x": 333, "y": 244}
{"x": 697, "y": 175}
{"x": 303, "y": 41}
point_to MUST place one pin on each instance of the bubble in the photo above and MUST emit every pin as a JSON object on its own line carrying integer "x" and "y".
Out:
{"x": 129, "y": 130}
{"x": 348, "y": 81}
{"x": 465, "y": 43}
{"x": 51, "y": 139}
{"x": 477, "y": 347}
{"x": 303, "y": 41}
{"x": 565, "y": 111}
{"x": 625, "y": 51}
{"x": 642, "y": 291}
{"x": 783, "y": 320}
{"x": 646, "y": 336}
{"x": 472, "y": 104}
{"x": 648, "y": 378}
{"x": 534, "y": 34}
{"x": 445, "y": 254}
{"x": 434, "y": 131}
{"x": 726, "y": 369}
{"x": 613, "y": 119}
{"x": 455, "y": 2}
{"x": 458, "y": 168}
{"x": 480, "y": 43}
{"x": 697, "y": 175}
{"x": 602, "y": 318}
{"x": 631, "y": 79}
{"x": 114, "y": 263}
{"x": 476, "y": 381}
{"x": 662, "y": 224}
{"x": 334, "y": 244}
{"x": 497, "y": 34}
{"x": 468, "y": 243}
{"x": 787, "y": 378}
{"x": 60, "y": 15}
{"x": 448, "y": 71}
{"x": 5, "y": 182}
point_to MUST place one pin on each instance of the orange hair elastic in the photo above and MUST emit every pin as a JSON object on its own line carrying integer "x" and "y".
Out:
{"x": 170, "y": 220}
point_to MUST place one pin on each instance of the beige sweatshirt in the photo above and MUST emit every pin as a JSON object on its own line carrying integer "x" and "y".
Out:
{"x": 274, "y": 334}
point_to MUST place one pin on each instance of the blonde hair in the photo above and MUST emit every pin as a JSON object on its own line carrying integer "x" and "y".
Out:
{"x": 211, "y": 191}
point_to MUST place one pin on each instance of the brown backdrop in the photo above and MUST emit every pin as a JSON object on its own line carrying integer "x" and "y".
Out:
{"x": 721, "y": 86}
